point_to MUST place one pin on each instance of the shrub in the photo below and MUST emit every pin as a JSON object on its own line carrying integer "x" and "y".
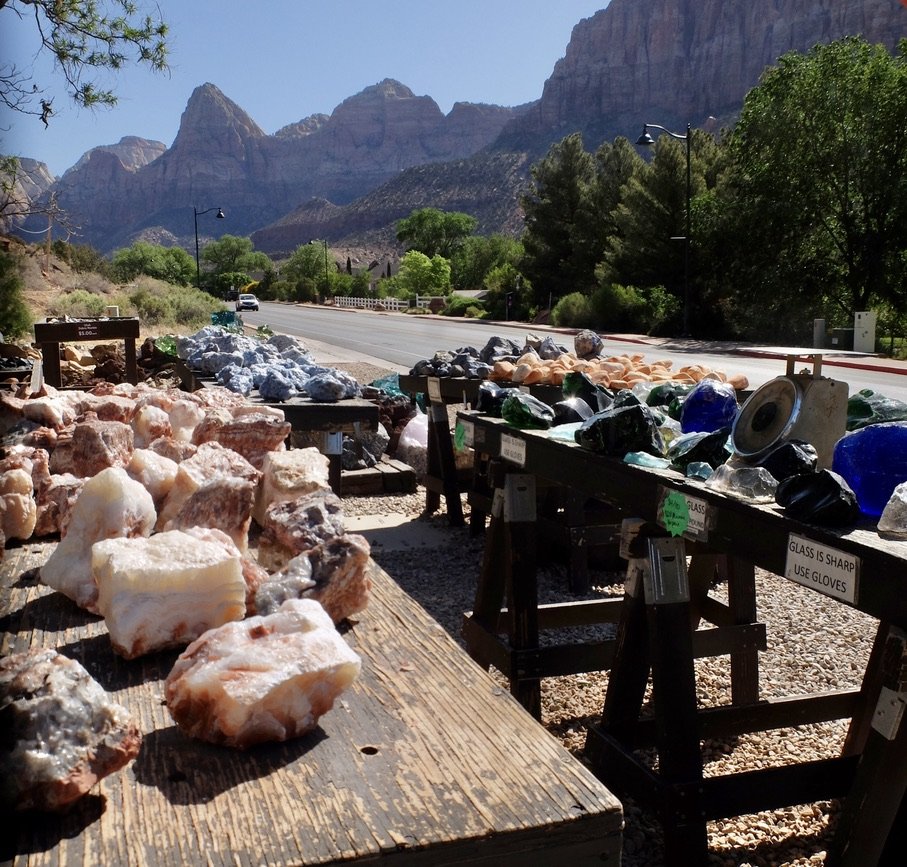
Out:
{"x": 79, "y": 303}
{"x": 457, "y": 305}
{"x": 628, "y": 308}
{"x": 573, "y": 311}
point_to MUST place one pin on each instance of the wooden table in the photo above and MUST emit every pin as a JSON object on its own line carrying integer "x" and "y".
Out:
{"x": 330, "y": 419}
{"x": 656, "y": 634}
{"x": 425, "y": 760}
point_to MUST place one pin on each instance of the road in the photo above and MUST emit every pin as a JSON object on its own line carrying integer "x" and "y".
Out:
{"x": 398, "y": 341}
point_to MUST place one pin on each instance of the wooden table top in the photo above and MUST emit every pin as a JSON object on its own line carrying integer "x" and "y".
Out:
{"x": 425, "y": 756}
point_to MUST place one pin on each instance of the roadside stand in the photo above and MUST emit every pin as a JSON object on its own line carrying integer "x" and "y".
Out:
{"x": 668, "y": 618}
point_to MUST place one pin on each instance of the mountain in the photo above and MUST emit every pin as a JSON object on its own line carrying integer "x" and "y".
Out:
{"x": 221, "y": 157}
{"x": 385, "y": 151}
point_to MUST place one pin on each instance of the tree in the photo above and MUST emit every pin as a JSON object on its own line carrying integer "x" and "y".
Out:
{"x": 306, "y": 269}
{"x": 557, "y": 260}
{"x": 478, "y": 254}
{"x": 233, "y": 255}
{"x": 421, "y": 275}
{"x": 819, "y": 193}
{"x": 82, "y": 36}
{"x": 435, "y": 232}
{"x": 15, "y": 317}
{"x": 171, "y": 264}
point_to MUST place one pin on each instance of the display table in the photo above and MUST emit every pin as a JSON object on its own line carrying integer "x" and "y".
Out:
{"x": 330, "y": 419}
{"x": 656, "y": 633}
{"x": 425, "y": 760}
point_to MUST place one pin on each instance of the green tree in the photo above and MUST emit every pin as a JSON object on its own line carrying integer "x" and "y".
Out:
{"x": 230, "y": 253}
{"x": 306, "y": 269}
{"x": 15, "y": 317}
{"x": 82, "y": 37}
{"x": 172, "y": 264}
{"x": 435, "y": 232}
{"x": 557, "y": 259}
{"x": 478, "y": 254}
{"x": 421, "y": 275}
{"x": 818, "y": 200}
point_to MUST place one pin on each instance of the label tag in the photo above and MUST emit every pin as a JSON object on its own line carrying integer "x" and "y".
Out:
{"x": 821, "y": 568}
{"x": 464, "y": 434}
{"x": 434, "y": 389}
{"x": 683, "y": 515}
{"x": 513, "y": 450}
{"x": 333, "y": 443}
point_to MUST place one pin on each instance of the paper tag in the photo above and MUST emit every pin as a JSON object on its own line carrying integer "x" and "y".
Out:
{"x": 834, "y": 573}
{"x": 683, "y": 515}
{"x": 333, "y": 443}
{"x": 464, "y": 434}
{"x": 434, "y": 389}
{"x": 513, "y": 450}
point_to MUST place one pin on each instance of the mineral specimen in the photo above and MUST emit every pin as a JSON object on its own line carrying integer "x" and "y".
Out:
{"x": 893, "y": 521}
{"x": 166, "y": 590}
{"x": 98, "y": 444}
{"x": 109, "y": 505}
{"x": 263, "y": 679}
{"x": 225, "y": 503}
{"x": 61, "y": 732}
{"x": 288, "y": 475}
{"x": 293, "y": 526}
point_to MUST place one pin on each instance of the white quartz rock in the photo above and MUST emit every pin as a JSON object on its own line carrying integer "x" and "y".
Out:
{"x": 184, "y": 416}
{"x": 289, "y": 475}
{"x": 149, "y": 423}
{"x": 166, "y": 590}
{"x": 110, "y": 505}
{"x": 154, "y": 472}
{"x": 263, "y": 679}
{"x": 893, "y": 521}
{"x": 18, "y": 509}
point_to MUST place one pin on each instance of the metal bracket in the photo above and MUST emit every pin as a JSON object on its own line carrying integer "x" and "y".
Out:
{"x": 666, "y": 581}
{"x": 519, "y": 498}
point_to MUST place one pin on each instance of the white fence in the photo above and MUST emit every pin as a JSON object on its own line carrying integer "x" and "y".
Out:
{"x": 394, "y": 304}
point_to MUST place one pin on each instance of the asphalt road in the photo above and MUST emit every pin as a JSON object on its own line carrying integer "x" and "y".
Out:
{"x": 398, "y": 341}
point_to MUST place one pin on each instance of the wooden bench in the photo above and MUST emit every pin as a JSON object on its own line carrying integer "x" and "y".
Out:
{"x": 425, "y": 760}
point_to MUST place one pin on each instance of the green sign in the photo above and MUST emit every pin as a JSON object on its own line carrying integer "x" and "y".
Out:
{"x": 459, "y": 437}
{"x": 675, "y": 513}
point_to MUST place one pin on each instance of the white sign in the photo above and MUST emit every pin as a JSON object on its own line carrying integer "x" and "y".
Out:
{"x": 434, "y": 389}
{"x": 513, "y": 450}
{"x": 834, "y": 573}
{"x": 469, "y": 432}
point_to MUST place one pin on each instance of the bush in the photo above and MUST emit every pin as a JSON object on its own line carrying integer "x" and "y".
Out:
{"x": 79, "y": 303}
{"x": 573, "y": 311}
{"x": 457, "y": 305}
{"x": 627, "y": 308}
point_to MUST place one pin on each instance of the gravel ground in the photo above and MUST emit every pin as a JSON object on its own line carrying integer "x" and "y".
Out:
{"x": 814, "y": 644}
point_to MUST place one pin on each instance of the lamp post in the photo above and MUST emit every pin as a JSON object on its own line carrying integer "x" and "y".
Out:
{"x": 196, "y": 213}
{"x": 646, "y": 139}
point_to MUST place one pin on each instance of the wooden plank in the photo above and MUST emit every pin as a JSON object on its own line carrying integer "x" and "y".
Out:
{"x": 425, "y": 759}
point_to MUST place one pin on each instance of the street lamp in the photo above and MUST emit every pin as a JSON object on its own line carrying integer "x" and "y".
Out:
{"x": 197, "y": 213}
{"x": 646, "y": 139}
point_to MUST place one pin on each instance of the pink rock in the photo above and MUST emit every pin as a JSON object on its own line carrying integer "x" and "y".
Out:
{"x": 252, "y": 434}
{"x": 18, "y": 511}
{"x": 262, "y": 679}
{"x": 176, "y": 450}
{"x": 288, "y": 475}
{"x": 62, "y": 733}
{"x": 149, "y": 423}
{"x": 98, "y": 444}
{"x": 224, "y": 502}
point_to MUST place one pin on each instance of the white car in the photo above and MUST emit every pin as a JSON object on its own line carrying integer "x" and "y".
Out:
{"x": 246, "y": 302}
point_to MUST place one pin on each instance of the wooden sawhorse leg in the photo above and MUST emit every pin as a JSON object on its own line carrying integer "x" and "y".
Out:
{"x": 442, "y": 466}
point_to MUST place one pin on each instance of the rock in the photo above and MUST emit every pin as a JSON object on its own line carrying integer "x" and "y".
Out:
{"x": 166, "y": 590}
{"x": 97, "y": 445}
{"x": 587, "y": 344}
{"x": 211, "y": 461}
{"x": 289, "y": 475}
{"x": 149, "y": 423}
{"x": 263, "y": 679}
{"x": 252, "y": 435}
{"x": 293, "y": 526}
{"x": 109, "y": 505}
{"x": 893, "y": 521}
{"x": 155, "y": 472}
{"x": 224, "y": 503}
{"x": 61, "y": 732}
{"x": 329, "y": 387}
{"x": 18, "y": 510}
{"x": 753, "y": 484}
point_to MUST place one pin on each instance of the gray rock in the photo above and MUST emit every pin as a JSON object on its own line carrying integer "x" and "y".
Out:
{"x": 893, "y": 522}
{"x": 587, "y": 344}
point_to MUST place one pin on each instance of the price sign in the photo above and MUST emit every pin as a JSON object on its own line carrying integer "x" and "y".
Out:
{"x": 465, "y": 434}
{"x": 434, "y": 389}
{"x": 683, "y": 515}
{"x": 513, "y": 450}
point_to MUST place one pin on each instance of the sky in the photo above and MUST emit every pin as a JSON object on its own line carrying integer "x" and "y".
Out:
{"x": 283, "y": 60}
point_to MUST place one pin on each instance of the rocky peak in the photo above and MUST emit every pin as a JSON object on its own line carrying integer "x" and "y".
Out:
{"x": 213, "y": 124}
{"x": 133, "y": 152}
